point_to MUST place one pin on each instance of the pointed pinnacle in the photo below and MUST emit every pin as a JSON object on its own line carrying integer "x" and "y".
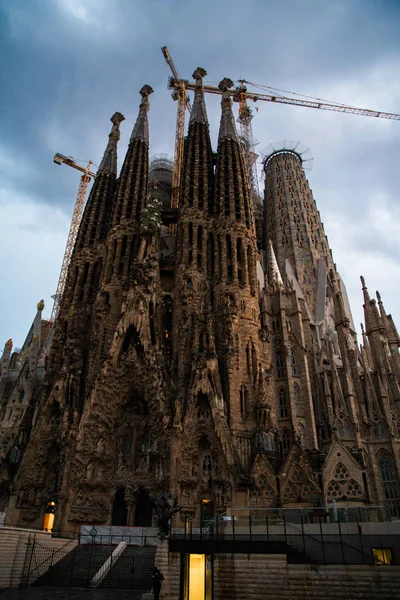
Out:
{"x": 109, "y": 161}
{"x": 227, "y": 128}
{"x": 199, "y": 113}
{"x": 141, "y": 128}
{"x": 275, "y": 277}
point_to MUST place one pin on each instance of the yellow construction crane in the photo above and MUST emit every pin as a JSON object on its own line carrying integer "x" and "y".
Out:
{"x": 241, "y": 95}
{"x": 60, "y": 159}
{"x": 179, "y": 94}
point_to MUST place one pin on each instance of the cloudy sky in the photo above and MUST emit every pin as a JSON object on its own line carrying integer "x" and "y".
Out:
{"x": 67, "y": 65}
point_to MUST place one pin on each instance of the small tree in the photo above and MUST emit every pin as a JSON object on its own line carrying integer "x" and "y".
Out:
{"x": 150, "y": 221}
{"x": 165, "y": 506}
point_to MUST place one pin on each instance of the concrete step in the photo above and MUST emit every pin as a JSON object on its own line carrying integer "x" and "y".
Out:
{"x": 133, "y": 570}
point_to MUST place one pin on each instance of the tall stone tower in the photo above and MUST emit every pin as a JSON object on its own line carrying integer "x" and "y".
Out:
{"x": 186, "y": 362}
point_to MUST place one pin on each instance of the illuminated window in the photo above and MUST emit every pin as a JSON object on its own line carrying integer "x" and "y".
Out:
{"x": 382, "y": 556}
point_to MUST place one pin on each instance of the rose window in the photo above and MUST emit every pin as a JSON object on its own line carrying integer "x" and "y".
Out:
{"x": 334, "y": 490}
{"x": 353, "y": 489}
{"x": 341, "y": 473}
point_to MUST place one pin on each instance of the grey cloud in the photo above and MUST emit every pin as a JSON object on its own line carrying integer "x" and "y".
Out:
{"x": 66, "y": 66}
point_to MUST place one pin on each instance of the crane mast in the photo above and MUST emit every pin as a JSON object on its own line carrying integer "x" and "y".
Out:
{"x": 73, "y": 230}
{"x": 246, "y": 134}
{"x": 180, "y": 95}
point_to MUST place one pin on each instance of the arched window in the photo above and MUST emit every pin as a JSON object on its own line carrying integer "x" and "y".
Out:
{"x": 388, "y": 476}
{"x": 275, "y": 325}
{"x": 210, "y": 255}
{"x": 280, "y": 367}
{"x": 256, "y": 496}
{"x": 152, "y": 326}
{"x": 250, "y": 268}
{"x": 240, "y": 262}
{"x": 286, "y": 441}
{"x": 302, "y": 433}
{"x": 293, "y": 363}
{"x": 200, "y": 247}
{"x": 229, "y": 264}
{"x": 21, "y": 396}
{"x": 190, "y": 240}
{"x": 244, "y": 397}
{"x": 297, "y": 400}
{"x": 283, "y": 403}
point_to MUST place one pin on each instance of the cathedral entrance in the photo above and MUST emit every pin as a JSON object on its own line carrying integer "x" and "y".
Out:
{"x": 197, "y": 577}
{"x": 207, "y": 510}
{"x": 144, "y": 510}
{"x": 120, "y": 511}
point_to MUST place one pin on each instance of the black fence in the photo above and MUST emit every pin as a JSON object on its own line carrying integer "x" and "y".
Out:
{"x": 89, "y": 565}
{"x": 303, "y": 540}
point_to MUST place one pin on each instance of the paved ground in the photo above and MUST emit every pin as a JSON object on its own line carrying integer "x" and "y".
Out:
{"x": 54, "y": 593}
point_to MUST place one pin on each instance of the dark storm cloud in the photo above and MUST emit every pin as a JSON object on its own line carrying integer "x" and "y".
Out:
{"x": 67, "y": 65}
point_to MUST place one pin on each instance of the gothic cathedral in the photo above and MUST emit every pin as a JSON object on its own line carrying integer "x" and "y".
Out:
{"x": 205, "y": 351}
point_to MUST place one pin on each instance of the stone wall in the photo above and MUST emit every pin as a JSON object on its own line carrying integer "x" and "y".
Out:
{"x": 13, "y": 553}
{"x": 255, "y": 576}
{"x": 250, "y": 576}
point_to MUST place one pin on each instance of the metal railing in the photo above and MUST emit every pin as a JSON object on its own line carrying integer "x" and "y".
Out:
{"x": 77, "y": 566}
{"x": 304, "y": 535}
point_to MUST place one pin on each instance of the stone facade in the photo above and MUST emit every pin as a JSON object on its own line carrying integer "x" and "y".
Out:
{"x": 193, "y": 358}
{"x": 22, "y": 375}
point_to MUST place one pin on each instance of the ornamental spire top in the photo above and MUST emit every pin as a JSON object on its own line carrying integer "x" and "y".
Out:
{"x": 371, "y": 313}
{"x": 199, "y": 113}
{"x": 109, "y": 161}
{"x": 227, "y": 128}
{"x": 141, "y": 128}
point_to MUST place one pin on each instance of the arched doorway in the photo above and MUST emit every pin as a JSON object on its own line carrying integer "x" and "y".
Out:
{"x": 120, "y": 511}
{"x": 207, "y": 510}
{"x": 144, "y": 510}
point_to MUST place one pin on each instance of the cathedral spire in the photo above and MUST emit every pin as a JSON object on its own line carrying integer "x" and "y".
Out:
{"x": 141, "y": 128}
{"x": 227, "y": 128}
{"x": 274, "y": 275}
{"x": 366, "y": 352}
{"x": 109, "y": 161}
{"x": 96, "y": 218}
{"x": 199, "y": 113}
{"x": 232, "y": 192}
{"x": 387, "y": 320}
{"x": 371, "y": 314}
{"x": 133, "y": 180}
{"x": 197, "y": 188}
{"x": 392, "y": 337}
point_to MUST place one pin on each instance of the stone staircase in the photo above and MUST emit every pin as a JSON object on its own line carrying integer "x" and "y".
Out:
{"x": 133, "y": 570}
{"x": 77, "y": 568}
